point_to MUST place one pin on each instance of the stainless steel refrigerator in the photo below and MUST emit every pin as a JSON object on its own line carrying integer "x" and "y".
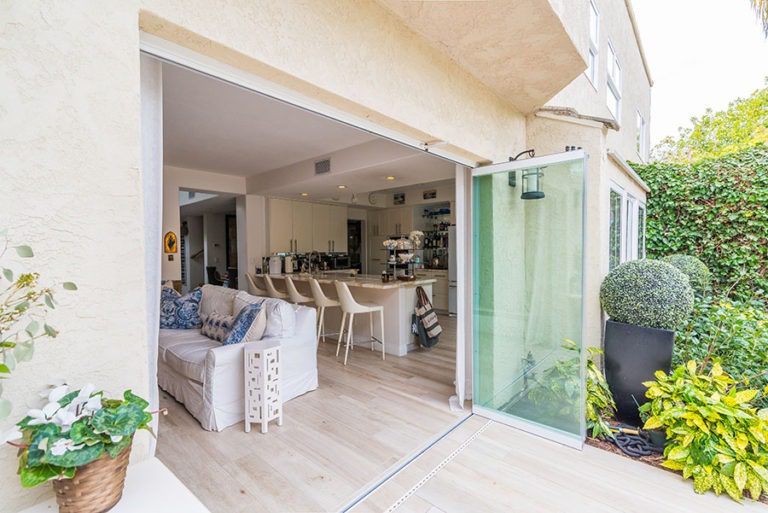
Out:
{"x": 452, "y": 269}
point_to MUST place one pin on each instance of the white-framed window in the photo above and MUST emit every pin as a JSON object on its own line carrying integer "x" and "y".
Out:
{"x": 594, "y": 42}
{"x": 613, "y": 91}
{"x": 641, "y": 142}
{"x": 626, "y": 226}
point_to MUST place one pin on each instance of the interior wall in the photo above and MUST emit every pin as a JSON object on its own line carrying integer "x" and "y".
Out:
{"x": 195, "y": 251}
{"x": 214, "y": 241}
{"x": 251, "y": 234}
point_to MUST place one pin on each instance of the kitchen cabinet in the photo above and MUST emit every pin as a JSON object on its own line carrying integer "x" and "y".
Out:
{"x": 301, "y": 227}
{"x": 321, "y": 227}
{"x": 377, "y": 223}
{"x": 337, "y": 228}
{"x": 280, "y": 226}
{"x": 439, "y": 288}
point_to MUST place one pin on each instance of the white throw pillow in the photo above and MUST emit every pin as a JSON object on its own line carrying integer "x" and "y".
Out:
{"x": 280, "y": 315}
{"x": 217, "y": 299}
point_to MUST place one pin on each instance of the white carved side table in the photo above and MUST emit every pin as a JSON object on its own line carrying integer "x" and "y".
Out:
{"x": 263, "y": 400}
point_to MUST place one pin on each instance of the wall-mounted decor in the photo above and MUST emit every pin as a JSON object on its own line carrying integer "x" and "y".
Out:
{"x": 430, "y": 194}
{"x": 398, "y": 198}
{"x": 170, "y": 243}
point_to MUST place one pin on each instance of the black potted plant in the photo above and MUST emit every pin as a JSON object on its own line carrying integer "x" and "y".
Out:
{"x": 646, "y": 301}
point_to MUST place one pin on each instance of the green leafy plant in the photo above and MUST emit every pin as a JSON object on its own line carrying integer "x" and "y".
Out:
{"x": 74, "y": 429}
{"x": 714, "y": 434}
{"x": 24, "y": 304}
{"x": 714, "y": 209}
{"x": 699, "y": 276}
{"x": 734, "y": 332}
{"x": 647, "y": 293}
{"x": 559, "y": 391}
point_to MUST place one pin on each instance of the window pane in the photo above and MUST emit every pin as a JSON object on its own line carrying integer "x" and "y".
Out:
{"x": 641, "y": 232}
{"x": 592, "y": 69}
{"x": 639, "y": 136}
{"x": 613, "y": 102}
{"x": 594, "y": 25}
{"x": 615, "y": 231}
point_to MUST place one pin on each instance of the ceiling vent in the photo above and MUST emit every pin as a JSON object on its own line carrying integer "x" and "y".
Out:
{"x": 322, "y": 167}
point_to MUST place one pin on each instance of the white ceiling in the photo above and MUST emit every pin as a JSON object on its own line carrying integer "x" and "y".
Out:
{"x": 212, "y": 125}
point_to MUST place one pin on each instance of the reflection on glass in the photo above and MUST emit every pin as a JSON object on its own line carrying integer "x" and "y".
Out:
{"x": 528, "y": 298}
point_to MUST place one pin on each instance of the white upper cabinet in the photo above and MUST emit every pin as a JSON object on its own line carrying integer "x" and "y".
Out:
{"x": 321, "y": 227}
{"x": 280, "y": 226}
{"x": 338, "y": 228}
{"x": 302, "y": 227}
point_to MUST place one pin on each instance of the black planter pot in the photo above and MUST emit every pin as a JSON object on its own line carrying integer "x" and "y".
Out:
{"x": 632, "y": 355}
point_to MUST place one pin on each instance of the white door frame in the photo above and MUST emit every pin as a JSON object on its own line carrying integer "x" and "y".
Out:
{"x": 167, "y": 51}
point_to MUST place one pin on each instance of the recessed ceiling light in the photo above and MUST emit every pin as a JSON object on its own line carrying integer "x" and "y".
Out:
{"x": 342, "y": 186}
{"x": 391, "y": 178}
{"x": 305, "y": 194}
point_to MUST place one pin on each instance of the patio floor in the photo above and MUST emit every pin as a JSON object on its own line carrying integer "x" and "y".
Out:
{"x": 484, "y": 466}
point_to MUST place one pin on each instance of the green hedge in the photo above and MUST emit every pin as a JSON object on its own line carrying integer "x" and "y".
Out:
{"x": 716, "y": 210}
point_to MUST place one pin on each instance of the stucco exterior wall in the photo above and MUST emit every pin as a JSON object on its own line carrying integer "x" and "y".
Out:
{"x": 590, "y": 99}
{"x": 71, "y": 187}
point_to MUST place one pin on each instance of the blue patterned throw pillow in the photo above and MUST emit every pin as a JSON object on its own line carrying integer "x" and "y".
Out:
{"x": 248, "y": 326}
{"x": 216, "y": 326}
{"x": 179, "y": 312}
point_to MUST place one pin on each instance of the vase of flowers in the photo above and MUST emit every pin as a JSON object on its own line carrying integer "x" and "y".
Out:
{"x": 81, "y": 441}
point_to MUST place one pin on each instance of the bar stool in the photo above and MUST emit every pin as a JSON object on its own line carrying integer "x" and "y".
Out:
{"x": 272, "y": 291}
{"x": 351, "y": 307}
{"x": 294, "y": 296}
{"x": 254, "y": 289}
{"x": 322, "y": 302}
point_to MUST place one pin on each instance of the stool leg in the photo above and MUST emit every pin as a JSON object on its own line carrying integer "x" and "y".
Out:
{"x": 341, "y": 333}
{"x": 323, "y": 325}
{"x": 349, "y": 337}
{"x": 381, "y": 317}
{"x": 320, "y": 314}
{"x": 370, "y": 327}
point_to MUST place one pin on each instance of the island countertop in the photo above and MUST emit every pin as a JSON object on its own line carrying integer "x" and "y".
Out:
{"x": 367, "y": 281}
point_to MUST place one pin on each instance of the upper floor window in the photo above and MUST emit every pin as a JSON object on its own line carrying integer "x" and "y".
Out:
{"x": 641, "y": 143}
{"x": 613, "y": 93}
{"x": 594, "y": 42}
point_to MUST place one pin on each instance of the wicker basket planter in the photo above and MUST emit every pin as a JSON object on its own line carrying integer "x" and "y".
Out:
{"x": 96, "y": 487}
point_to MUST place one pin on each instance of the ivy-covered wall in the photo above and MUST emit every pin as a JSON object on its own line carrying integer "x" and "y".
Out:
{"x": 717, "y": 210}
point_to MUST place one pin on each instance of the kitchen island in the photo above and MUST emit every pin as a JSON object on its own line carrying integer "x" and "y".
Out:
{"x": 397, "y": 297}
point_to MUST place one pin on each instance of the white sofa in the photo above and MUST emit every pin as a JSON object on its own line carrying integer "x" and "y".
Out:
{"x": 207, "y": 377}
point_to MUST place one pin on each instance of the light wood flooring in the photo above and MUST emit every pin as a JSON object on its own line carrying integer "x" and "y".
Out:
{"x": 336, "y": 441}
{"x": 496, "y": 468}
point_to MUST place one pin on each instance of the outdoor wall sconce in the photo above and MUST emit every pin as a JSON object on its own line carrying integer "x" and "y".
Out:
{"x": 532, "y": 178}
{"x": 533, "y": 184}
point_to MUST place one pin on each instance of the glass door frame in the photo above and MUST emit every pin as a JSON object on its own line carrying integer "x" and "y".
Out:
{"x": 510, "y": 420}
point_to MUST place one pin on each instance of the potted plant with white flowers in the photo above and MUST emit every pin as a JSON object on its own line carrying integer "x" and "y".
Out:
{"x": 81, "y": 441}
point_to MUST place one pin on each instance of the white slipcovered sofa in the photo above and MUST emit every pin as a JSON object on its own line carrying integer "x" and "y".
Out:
{"x": 207, "y": 377}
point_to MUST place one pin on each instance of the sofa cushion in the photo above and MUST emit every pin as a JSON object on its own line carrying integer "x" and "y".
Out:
{"x": 217, "y": 299}
{"x": 248, "y": 326}
{"x": 180, "y": 312}
{"x": 185, "y": 351}
{"x": 281, "y": 316}
{"x": 217, "y": 326}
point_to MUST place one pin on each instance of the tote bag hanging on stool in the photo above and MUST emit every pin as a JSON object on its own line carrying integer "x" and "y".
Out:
{"x": 426, "y": 324}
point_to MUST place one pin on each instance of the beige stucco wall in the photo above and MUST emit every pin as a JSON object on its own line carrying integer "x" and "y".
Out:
{"x": 70, "y": 186}
{"x": 70, "y": 146}
{"x": 590, "y": 99}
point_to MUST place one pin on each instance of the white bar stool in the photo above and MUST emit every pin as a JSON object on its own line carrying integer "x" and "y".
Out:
{"x": 322, "y": 302}
{"x": 351, "y": 307}
{"x": 272, "y": 291}
{"x": 254, "y": 289}
{"x": 294, "y": 296}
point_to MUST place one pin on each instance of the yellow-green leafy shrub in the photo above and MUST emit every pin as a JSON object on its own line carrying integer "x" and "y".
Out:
{"x": 714, "y": 434}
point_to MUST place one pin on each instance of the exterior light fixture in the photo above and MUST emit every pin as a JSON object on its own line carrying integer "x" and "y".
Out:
{"x": 533, "y": 184}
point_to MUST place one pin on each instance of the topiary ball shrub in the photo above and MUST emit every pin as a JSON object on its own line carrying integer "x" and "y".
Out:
{"x": 648, "y": 293}
{"x": 697, "y": 271}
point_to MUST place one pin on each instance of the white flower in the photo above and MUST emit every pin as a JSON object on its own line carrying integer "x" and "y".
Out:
{"x": 93, "y": 404}
{"x": 116, "y": 438}
{"x": 65, "y": 419}
{"x": 11, "y": 435}
{"x": 57, "y": 393}
{"x": 62, "y": 445}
